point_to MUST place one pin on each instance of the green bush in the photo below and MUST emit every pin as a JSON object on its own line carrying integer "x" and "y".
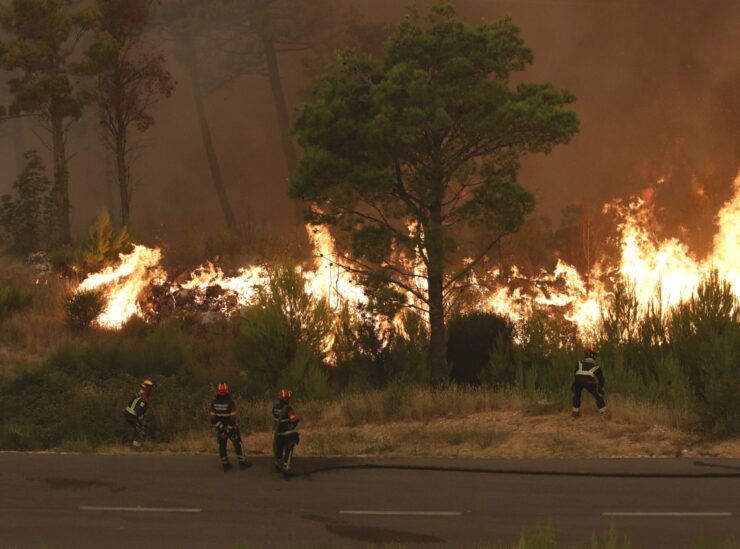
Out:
{"x": 78, "y": 395}
{"x": 83, "y": 307}
{"x": 13, "y": 299}
{"x": 164, "y": 351}
{"x": 546, "y": 354}
{"x": 705, "y": 338}
{"x": 471, "y": 340}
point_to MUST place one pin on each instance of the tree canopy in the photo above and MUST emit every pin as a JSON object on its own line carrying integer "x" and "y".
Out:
{"x": 409, "y": 152}
{"x": 44, "y": 37}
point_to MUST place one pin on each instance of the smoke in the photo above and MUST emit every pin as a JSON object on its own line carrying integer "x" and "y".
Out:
{"x": 657, "y": 85}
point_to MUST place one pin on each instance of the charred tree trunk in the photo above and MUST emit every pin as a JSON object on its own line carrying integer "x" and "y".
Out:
{"x": 281, "y": 111}
{"x": 60, "y": 189}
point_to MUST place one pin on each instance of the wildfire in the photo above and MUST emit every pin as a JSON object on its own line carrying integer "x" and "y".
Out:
{"x": 661, "y": 273}
{"x": 124, "y": 284}
{"x": 330, "y": 278}
{"x": 243, "y": 286}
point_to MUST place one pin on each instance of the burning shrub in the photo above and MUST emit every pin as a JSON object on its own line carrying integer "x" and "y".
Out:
{"x": 83, "y": 307}
{"x": 283, "y": 327}
{"x": 373, "y": 355}
{"x": 471, "y": 340}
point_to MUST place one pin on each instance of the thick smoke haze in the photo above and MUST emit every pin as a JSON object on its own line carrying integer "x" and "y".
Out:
{"x": 658, "y": 88}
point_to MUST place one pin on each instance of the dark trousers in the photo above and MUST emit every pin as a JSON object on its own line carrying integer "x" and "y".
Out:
{"x": 590, "y": 385}
{"x": 282, "y": 443}
{"x": 233, "y": 434}
{"x": 138, "y": 427}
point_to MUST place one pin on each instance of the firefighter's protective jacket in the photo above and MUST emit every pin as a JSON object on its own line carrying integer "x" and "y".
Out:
{"x": 138, "y": 405}
{"x": 223, "y": 410}
{"x": 588, "y": 367}
{"x": 286, "y": 420}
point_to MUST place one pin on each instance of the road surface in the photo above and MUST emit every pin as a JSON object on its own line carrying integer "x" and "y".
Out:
{"x": 141, "y": 501}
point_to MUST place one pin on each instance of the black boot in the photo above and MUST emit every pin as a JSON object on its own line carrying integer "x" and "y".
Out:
{"x": 244, "y": 464}
{"x": 226, "y": 466}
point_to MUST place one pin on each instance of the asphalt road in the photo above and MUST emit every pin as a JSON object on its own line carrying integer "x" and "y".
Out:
{"x": 141, "y": 501}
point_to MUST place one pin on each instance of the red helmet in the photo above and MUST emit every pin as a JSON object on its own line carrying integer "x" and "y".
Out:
{"x": 222, "y": 389}
{"x": 590, "y": 352}
{"x": 148, "y": 384}
{"x": 285, "y": 394}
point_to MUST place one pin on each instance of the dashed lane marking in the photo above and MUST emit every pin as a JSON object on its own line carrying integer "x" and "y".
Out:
{"x": 665, "y": 514}
{"x": 403, "y": 513}
{"x": 142, "y": 509}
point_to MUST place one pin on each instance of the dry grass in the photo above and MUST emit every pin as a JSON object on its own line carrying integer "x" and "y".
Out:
{"x": 470, "y": 424}
{"x": 28, "y": 336}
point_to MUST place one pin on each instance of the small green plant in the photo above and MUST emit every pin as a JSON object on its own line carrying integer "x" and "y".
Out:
{"x": 103, "y": 244}
{"x": 541, "y": 535}
{"x": 83, "y": 307}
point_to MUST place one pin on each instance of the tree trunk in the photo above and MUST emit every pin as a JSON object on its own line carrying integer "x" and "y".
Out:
{"x": 110, "y": 183}
{"x": 437, "y": 332}
{"x": 434, "y": 236}
{"x": 205, "y": 131}
{"x": 19, "y": 145}
{"x": 60, "y": 188}
{"x": 122, "y": 174}
{"x": 281, "y": 111}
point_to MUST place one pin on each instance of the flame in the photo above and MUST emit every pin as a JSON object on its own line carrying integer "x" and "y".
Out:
{"x": 124, "y": 283}
{"x": 244, "y": 285}
{"x": 331, "y": 277}
{"x": 662, "y": 272}
{"x": 726, "y": 251}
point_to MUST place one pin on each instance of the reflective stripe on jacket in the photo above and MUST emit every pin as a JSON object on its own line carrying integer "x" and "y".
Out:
{"x": 223, "y": 409}
{"x": 137, "y": 407}
{"x": 587, "y": 367}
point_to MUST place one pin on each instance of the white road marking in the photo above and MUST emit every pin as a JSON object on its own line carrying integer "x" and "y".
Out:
{"x": 665, "y": 514}
{"x": 404, "y": 513}
{"x": 142, "y": 509}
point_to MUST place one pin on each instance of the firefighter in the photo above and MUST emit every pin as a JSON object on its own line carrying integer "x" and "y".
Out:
{"x": 136, "y": 410}
{"x": 285, "y": 434}
{"x": 588, "y": 376}
{"x": 223, "y": 417}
